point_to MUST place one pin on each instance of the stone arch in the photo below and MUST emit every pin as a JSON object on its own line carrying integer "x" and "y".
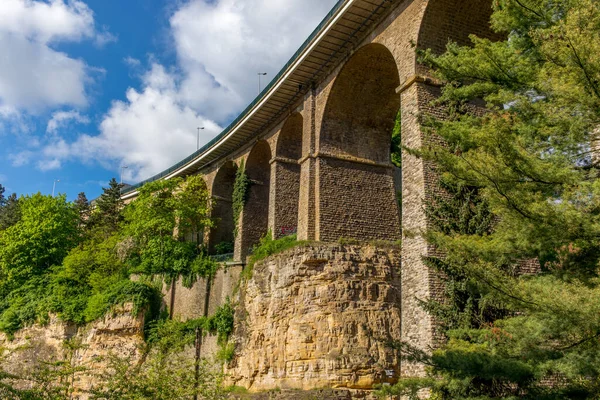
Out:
{"x": 363, "y": 104}
{"x": 255, "y": 215}
{"x": 289, "y": 142}
{"x": 445, "y": 21}
{"x": 285, "y": 172}
{"x": 357, "y": 197}
{"x": 222, "y": 213}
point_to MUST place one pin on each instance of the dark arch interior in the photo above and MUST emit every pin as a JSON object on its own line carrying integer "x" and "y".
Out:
{"x": 256, "y": 210}
{"x": 362, "y": 106}
{"x": 222, "y": 233}
{"x": 289, "y": 144}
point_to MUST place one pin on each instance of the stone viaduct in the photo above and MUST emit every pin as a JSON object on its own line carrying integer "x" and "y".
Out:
{"x": 316, "y": 141}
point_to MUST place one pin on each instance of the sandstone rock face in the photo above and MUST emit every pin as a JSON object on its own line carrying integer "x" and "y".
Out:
{"x": 319, "y": 316}
{"x": 119, "y": 334}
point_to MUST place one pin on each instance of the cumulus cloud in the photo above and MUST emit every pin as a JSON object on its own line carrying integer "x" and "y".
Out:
{"x": 49, "y": 165}
{"x": 61, "y": 119}
{"x": 220, "y": 46}
{"x": 147, "y": 132}
{"x": 44, "y": 22}
{"x": 36, "y": 76}
{"x": 21, "y": 158}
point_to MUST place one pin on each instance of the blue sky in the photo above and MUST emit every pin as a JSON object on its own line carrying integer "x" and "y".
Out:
{"x": 87, "y": 87}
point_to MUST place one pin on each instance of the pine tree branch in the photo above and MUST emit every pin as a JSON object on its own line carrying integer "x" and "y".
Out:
{"x": 500, "y": 290}
{"x": 584, "y": 69}
{"x": 582, "y": 341}
{"x": 499, "y": 190}
{"x": 500, "y": 68}
{"x": 529, "y": 9}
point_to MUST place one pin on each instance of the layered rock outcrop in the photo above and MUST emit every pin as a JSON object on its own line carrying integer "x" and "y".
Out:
{"x": 87, "y": 349}
{"x": 319, "y": 316}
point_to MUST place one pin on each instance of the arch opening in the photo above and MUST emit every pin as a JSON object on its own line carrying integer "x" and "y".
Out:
{"x": 255, "y": 215}
{"x": 362, "y": 107}
{"x": 221, "y": 238}
{"x": 356, "y": 176}
{"x": 286, "y": 178}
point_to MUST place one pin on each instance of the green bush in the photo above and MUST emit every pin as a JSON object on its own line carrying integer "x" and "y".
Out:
{"x": 168, "y": 334}
{"x": 226, "y": 352}
{"x": 224, "y": 248}
{"x": 140, "y": 294}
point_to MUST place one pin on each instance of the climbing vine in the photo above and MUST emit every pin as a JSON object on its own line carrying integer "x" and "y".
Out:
{"x": 241, "y": 188}
{"x": 396, "y": 147}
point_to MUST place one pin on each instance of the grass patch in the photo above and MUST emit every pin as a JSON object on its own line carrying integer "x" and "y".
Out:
{"x": 267, "y": 247}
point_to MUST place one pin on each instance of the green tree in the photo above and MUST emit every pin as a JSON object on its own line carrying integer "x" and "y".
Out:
{"x": 164, "y": 215}
{"x": 82, "y": 206}
{"x": 108, "y": 208}
{"x": 45, "y": 233}
{"x": 528, "y": 156}
{"x": 10, "y": 211}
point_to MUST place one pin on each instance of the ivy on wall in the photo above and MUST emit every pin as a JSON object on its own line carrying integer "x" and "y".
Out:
{"x": 241, "y": 188}
{"x": 396, "y": 147}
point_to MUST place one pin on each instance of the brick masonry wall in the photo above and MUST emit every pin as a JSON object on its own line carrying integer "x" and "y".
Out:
{"x": 416, "y": 323}
{"x": 356, "y": 201}
{"x": 285, "y": 176}
{"x": 203, "y": 299}
{"x": 306, "y": 201}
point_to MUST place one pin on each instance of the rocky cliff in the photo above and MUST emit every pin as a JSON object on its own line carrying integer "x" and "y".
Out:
{"x": 319, "y": 316}
{"x": 36, "y": 348}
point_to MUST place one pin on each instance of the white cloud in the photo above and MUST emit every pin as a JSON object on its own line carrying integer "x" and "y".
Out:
{"x": 21, "y": 158}
{"x": 147, "y": 132}
{"x": 104, "y": 37}
{"x": 61, "y": 119}
{"x": 49, "y": 165}
{"x": 12, "y": 121}
{"x": 36, "y": 76}
{"x": 44, "y": 22}
{"x": 220, "y": 47}
{"x": 132, "y": 62}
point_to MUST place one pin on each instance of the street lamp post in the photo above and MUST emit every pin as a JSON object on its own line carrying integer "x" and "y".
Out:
{"x": 122, "y": 168}
{"x": 54, "y": 186}
{"x": 259, "y": 75}
{"x": 198, "y": 138}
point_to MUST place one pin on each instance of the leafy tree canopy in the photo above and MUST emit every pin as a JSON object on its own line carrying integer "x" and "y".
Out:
{"x": 60, "y": 259}
{"x": 159, "y": 221}
{"x": 41, "y": 239}
{"x": 9, "y": 209}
